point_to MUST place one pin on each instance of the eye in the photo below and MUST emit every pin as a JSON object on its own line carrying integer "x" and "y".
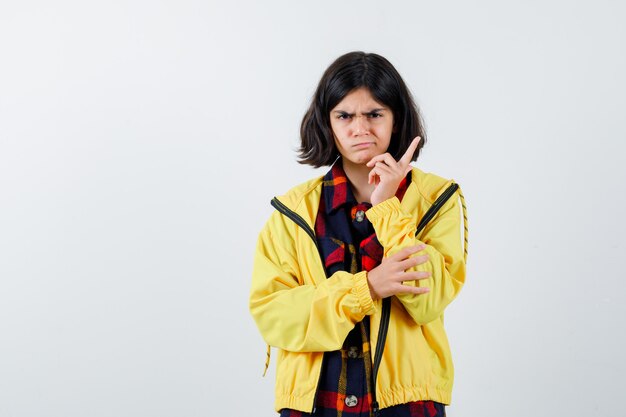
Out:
{"x": 374, "y": 115}
{"x": 343, "y": 116}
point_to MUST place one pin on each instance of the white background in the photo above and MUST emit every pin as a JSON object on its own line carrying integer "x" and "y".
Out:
{"x": 141, "y": 143}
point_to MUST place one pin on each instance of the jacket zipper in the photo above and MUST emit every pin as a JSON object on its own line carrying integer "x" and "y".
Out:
{"x": 380, "y": 346}
{"x": 436, "y": 206}
{"x": 297, "y": 219}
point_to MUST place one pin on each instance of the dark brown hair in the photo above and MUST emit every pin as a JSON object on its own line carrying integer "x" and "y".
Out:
{"x": 348, "y": 72}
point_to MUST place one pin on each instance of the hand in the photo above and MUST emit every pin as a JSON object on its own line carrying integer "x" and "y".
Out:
{"x": 387, "y": 174}
{"x": 387, "y": 278}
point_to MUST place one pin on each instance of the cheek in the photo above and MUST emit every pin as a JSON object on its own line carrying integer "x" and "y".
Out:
{"x": 386, "y": 141}
{"x": 336, "y": 140}
{"x": 337, "y": 143}
{"x": 337, "y": 135}
{"x": 384, "y": 133}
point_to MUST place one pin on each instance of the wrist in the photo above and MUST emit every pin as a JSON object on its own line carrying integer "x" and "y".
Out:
{"x": 378, "y": 200}
{"x": 373, "y": 293}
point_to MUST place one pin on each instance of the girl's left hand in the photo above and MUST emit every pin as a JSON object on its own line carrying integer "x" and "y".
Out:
{"x": 387, "y": 174}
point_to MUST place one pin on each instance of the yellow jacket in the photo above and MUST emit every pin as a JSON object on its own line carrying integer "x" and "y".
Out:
{"x": 303, "y": 314}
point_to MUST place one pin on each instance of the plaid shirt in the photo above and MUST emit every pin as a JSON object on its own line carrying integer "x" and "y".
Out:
{"x": 348, "y": 242}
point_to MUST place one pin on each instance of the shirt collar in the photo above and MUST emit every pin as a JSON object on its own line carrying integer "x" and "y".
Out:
{"x": 336, "y": 188}
{"x": 337, "y": 192}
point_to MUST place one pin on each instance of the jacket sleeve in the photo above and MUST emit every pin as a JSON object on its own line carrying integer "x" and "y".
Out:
{"x": 395, "y": 230}
{"x": 293, "y": 313}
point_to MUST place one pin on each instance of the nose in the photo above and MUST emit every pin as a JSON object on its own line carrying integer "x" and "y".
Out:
{"x": 361, "y": 125}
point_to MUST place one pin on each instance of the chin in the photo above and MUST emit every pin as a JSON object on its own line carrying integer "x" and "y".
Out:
{"x": 361, "y": 160}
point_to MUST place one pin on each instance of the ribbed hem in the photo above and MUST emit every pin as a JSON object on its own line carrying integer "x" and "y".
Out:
{"x": 387, "y": 398}
{"x": 304, "y": 404}
{"x": 383, "y": 209}
{"x": 403, "y": 395}
{"x": 362, "y": 290}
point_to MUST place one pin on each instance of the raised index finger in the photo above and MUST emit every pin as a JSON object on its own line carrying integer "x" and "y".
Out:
{"x": 408, "y": 155}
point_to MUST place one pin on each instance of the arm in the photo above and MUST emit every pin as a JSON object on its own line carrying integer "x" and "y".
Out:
{"x": 395, "y": 230}
{"x": 292, "y": 312}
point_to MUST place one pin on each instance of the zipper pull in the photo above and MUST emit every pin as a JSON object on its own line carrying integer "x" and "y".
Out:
{"x": 375, "y": 408}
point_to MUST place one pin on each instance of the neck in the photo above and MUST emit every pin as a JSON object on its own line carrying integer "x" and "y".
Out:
{"x": 357, "y": 177}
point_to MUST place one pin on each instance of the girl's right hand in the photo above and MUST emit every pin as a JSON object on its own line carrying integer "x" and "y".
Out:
{"x": 387, "y": 278}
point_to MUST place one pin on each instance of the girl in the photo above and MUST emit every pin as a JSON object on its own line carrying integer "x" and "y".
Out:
{"x": 352, "y": 272}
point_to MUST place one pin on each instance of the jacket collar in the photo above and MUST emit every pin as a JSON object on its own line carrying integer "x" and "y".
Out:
{"x": 305, "y": 198}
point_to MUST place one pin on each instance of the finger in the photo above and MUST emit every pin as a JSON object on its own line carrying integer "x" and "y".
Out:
{"x": 416, "y": 276}
{"x": 413, "y": 261}
{"x": 371, "y": 177}
{"x": 409, "y": 277}
{"x": 383, "y": 169}
{"x": 374, "y": 175}
{"x": 408, "y": 155}
{"x": 404, "y": 253}
{"x": 377, "y": 158}
{"x": 418, "y": 260}
{"x": 379, "y": 170}
{"x": 383, "y": 157}
{"x": 407, "y": 289}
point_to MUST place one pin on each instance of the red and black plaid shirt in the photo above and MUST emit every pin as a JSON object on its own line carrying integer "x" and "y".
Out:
{"x": 348, "y": 242}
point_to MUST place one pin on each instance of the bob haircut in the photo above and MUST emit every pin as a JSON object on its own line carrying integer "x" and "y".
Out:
{"x": 347, "y": 73}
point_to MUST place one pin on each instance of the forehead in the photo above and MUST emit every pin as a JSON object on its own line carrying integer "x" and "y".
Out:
{"x": 360, "y": 98}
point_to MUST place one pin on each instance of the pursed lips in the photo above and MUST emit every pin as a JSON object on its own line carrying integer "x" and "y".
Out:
{"x": 362, "y": 144}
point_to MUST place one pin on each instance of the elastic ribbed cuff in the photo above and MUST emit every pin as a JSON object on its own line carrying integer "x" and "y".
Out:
{"x": 383, "y": 208}
{"x": 362, "y": 290}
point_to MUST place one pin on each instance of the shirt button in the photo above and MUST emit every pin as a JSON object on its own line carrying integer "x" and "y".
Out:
{"x": 353, "y": 352}
{"x": 359, "y": 216}
{"x": 351, "y": 401}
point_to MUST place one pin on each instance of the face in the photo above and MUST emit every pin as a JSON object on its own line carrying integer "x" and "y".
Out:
{"x": 362, "y": 127}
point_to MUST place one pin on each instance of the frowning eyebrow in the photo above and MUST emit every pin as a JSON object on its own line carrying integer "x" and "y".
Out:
{"x": 377, "y": 110}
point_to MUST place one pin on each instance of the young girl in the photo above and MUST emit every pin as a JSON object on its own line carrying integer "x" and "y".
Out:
{"x": 337, "y": 246}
